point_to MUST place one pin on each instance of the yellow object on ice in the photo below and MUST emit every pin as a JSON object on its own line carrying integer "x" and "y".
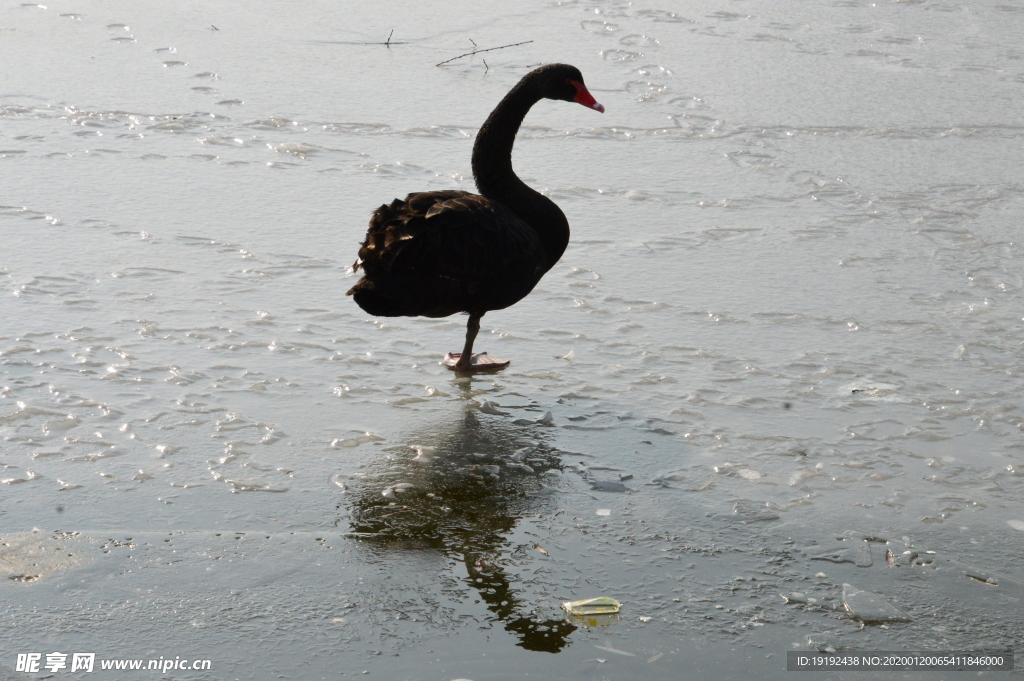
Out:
{"x": 603, "y": 605}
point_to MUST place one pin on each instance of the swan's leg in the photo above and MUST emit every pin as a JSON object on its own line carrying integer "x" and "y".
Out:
{"x": 466, "y": 361}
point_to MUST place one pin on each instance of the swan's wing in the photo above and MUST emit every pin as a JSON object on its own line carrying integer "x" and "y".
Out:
{"x": 450, "y": 234}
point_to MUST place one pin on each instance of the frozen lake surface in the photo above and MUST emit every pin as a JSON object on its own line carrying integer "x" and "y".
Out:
{"x": 782, "y": 353}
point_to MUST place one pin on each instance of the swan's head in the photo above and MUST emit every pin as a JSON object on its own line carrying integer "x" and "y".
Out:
{"x": 565, "y": 82}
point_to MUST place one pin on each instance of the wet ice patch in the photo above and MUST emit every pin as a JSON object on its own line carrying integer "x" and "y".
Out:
{"x": 749, "y": 511}
{"x": 852, "y": 550}
{"x": 247, "y": 485}
{"x": 870, "y": 607}
{"x": 608, "y": 486}
{"x": 28, "y": 557}
{"x": 547, "y": 420}
{"x": 356, "y": 441}
{"x": 874, "y": 390}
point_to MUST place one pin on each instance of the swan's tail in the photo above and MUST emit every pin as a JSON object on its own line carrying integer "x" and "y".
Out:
{"x": 437, "y": 297}
{"x": 375, "y": 301}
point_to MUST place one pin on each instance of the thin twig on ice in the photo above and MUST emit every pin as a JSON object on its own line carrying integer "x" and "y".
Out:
{"x": 470, "y": 54}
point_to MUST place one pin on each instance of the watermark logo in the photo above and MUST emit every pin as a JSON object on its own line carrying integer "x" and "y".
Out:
{"x": 33, "y": 663}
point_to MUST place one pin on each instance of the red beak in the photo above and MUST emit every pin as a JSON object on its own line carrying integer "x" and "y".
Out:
{"x": 584, "y": 97}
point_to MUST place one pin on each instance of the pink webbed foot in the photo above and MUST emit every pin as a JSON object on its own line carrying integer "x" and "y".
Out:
{"x": 480, "y": 361}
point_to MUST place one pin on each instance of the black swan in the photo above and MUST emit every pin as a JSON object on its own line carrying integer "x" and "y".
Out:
{"x": 438, "y": 253}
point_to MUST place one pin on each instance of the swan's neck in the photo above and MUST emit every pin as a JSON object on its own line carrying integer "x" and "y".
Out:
{"x": 495, "y": 179}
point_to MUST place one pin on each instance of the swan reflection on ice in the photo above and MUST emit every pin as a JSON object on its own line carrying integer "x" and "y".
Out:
{"x": 461, "y": 491}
